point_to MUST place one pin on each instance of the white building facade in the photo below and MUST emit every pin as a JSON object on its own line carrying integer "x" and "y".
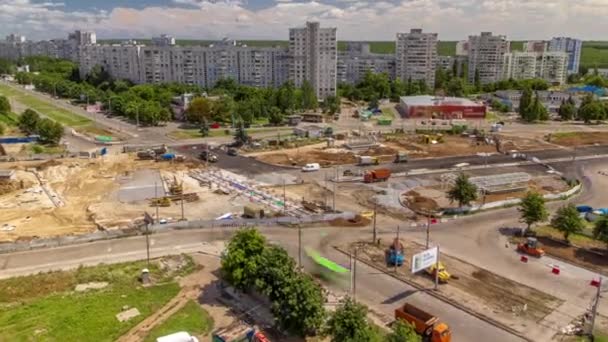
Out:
{"x": 573, "y": 47}
{"x": 416, "y": 56}
{"x": 486, "y": 56}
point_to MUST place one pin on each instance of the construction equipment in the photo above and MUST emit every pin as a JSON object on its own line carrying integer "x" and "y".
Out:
{"x": 444, "y": 275}
{"x": 146, "y": 155}
{"x": 531, "y": 247}
{"x": 394, "y": 254}
{"x": 367, "y": 160}
{"x": 253, "y": 212}
{"x": 377, "y": 175}
{"x": 424, "y": 323}
{"x": 176, "y": 188}
{"x": 160, "y": 202}
{"x": 208, "y": 156}
{"x": 432, "y": 139}
{"x": 401, "y": 157}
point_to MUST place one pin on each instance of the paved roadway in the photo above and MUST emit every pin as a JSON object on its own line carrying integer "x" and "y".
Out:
{"x": 381, "y": 291}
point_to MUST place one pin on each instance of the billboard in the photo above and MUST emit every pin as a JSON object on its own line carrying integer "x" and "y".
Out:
{"x": 424, "y": 259}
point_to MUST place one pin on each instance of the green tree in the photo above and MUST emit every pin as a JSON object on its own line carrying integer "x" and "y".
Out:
{"x": 286, "y": 97}
{"x": 241, "y": 264}
{"x": 309, "y": 98}
{"x": 398, "y": 89}
{"x": 200, "y": 109}
{"x": 97, "y": 76}
{"x": 600, "y": 230}
{"x": 2, "y": 128}
{"x": 373, "y": 102}
{"x": 6, "y": 67}
{"x": 567, "y": 221}
{"x": 524, "y": 104}
{"x": 463, "y": 191}
{"x": 240, "y": 134}
{"x": 456, "y": 87}
{"x": 537, "y": 111}
{"x": 28, "y": 121}
{"x": 223, "y": 109}
{"x": 277, "y": 272}
{"x": 275, "y": 116}
{"x": 349, "y": 323}
{"x": 204, "y": 130}
{"x": 567, "y": 111}
{"x": 592, "y": 111}
{"x": 299, "y": 308}
{"x": 50, "y": 132}
{"x": 331, "y": 105}
{"x": 441, "y": 78}
{"x": 532, "y": 209}
{"x": 403, "y": 332}
{"x": 477, "y": 81}
{"x": 5, "y": 105}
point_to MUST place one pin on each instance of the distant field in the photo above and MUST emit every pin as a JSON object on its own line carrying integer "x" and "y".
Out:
{"x": 594, "y": 52}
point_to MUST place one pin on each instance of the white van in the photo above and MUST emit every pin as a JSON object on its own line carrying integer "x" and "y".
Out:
{"x": 311, "y": 167}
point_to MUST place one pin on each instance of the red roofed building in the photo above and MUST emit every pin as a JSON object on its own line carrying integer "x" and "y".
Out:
{"x": 426, "y": 106}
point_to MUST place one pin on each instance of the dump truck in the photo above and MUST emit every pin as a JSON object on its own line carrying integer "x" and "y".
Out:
{"x": 425, "y": 324}
{"x": 401, "y": 157}
{"x": 377, "y": 175}
{"x": 367, "y": 160}
{"x": 531, "y": 247}
{"x": 254, "y": 212}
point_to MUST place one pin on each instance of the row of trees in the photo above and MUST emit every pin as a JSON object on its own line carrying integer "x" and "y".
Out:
{"x": 374, "y": 87}
{"x": 50, "y": 132}
{"x": 251, "y": 264}
{"x": 590, "y": 109}
{"x": 531, "y": 108}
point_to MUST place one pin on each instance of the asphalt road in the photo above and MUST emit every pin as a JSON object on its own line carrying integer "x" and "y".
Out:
{"x": 378, "y": 290}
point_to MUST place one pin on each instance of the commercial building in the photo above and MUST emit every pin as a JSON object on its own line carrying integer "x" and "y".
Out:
{"x": 314, "y": 52}
{"x": 357, "y": 60}
{"x": 426, "y": 106}
{"x": 552, "y": 100}
{"x": 486, "y": 57}
{"x": 572, "y": 47}
{"x": 416, "y": 56}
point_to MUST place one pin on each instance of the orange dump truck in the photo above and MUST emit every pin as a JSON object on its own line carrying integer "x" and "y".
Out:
{"x": 377, "y": 175}
{"x": 426, "y": 324}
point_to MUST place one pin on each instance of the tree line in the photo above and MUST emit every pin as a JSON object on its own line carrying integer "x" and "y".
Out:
{"x": 250, "y": 263}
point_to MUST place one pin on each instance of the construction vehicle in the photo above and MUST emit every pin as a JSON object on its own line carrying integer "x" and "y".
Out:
{"x": 394, "y": 254}
{"x": 444, "y": 275}
{"x": 401, "y": 157}
{"x": 531, "y": 247}
{"x": 253, "y": 212}
{"x": 176, "y": 188}
{"x": 377, "y": 175}
{"x": 425, "y": 324}
{"x": 208, "y": 156}
{"x": 146, "y": 155}
{"x": 367, "y": 160}
{"x": 160, "y": 202}
{"x": 347, "y": 173}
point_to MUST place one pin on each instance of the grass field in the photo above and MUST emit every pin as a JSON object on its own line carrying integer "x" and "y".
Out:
{"x": 192, "y": 318}
{"x": 63, "y": 116}
{"x": 44, "y": 307}
{"x": 194, "y": 133}
{"x": 9, "y": 119}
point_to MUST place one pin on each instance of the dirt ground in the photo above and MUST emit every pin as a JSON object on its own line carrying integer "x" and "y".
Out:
{"x": 88, "y": 191}
{"x": 473, "y": 287}
{"x": 518, "y": 143}
{"x": 571, "y": 139}
{"x": 451, "y": 146}
{"x": 321, "y": 154}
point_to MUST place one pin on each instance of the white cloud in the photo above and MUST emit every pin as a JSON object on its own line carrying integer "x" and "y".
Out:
{"x": 355, "y": 19}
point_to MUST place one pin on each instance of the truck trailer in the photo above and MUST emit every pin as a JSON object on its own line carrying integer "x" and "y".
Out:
{"x": 426, "y": 325}
{"x": 377, "y": 175}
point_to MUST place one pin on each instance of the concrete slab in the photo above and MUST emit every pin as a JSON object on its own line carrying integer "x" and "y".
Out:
{"x": 142, "y": 185}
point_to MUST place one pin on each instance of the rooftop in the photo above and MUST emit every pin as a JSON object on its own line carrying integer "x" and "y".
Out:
{"x": 427, "y": 100}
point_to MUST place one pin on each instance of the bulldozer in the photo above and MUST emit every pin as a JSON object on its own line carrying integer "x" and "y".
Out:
{"x": 531, "y": 247}
{"x": 160, "y": 202}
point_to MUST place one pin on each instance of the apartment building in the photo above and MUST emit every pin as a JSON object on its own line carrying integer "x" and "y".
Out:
{"x": 572, "y": 47}
{"x": 416, "y": 56}
{"x": 119, "y": 60}
{"x": 163, "y": 40}
{"x": 358, "y": 59}
{"x": 550, "y": 66}
{"x": 486, "y": 56}
{"x": 16, "y": 46}
{"x": 314, "y": 52}
{"x": 539, "y": 46}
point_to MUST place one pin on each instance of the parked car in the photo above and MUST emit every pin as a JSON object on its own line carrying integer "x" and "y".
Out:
{"x": 311, "y": 167}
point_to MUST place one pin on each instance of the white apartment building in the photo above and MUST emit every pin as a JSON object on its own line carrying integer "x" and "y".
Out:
{"x": 163, "y": 40}
{"x": 539, "y": 46}
{"x": 486, "y": 56}
{"x": 15, "y": 38}
{"x": 314, "y": 51}
{"x": 572, "y": 47}
{"x": 119, "y": 60}
{"x": 416, "y": 56}
{"x": 462, "y": 48}
{"x": 357, "y": 60}
{"x": 83, "y": 37}
{"x": 550, "y": 66}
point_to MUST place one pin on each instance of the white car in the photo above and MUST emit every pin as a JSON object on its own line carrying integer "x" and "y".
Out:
{"x": 311, "y": 167}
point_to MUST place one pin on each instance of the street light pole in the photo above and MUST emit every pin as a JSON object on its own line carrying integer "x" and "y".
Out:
{"x": 428, "y": 228}
{"x": 375, "y": 235}
{"x": 596, "y": 303}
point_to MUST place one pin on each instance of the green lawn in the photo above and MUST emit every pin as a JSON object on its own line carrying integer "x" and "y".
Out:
{"x": 194, "y": 133}
{"x": 9, "y": 119}
{"x": 44, "y": 307}
{"x": 43, "y": 149}
{"x": 192, "y": 318}
{"x": 584, "y": 239}
{"x": 63, "y": 116}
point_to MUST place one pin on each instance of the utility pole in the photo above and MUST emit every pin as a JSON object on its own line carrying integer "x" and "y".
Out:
{"x": 353, "y": 274}
{"x": 300, "y": 247}
{"x": 182, "y": 200}
{"x": 137, "y": 117}
{"x": 398, "y": 244}
{"x": 596, "y": 303}
{"x": 334, "y": 197}
{"x": 375, "y": 235}
{"x": 437, "y": 271}
{"x": 284, "y": 198}
{"x": 326, "y": 189}
{"x": 156, "y": 199}
{"x": 148, "y": 245}
{"x": 428, "y": 227}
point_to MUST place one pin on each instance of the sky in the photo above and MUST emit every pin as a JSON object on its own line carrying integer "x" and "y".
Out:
{"x": 270, "y": 19}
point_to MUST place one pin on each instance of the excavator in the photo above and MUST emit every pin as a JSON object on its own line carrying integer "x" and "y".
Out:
{"x": 394, "y": 254}
{"x": 531, "y": 247}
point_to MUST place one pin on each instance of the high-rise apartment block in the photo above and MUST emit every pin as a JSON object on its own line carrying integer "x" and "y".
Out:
{"x": 539, "y": 46}
{"x": 163, "y": 40}
{"x": 550, "y": 66}
{"x": 358, "y": 60}
{"x": 416, "y": 56}
{"x": 572, "y": 47}
{"x": 486, "y": 57}
{"x": 314, "y": 51}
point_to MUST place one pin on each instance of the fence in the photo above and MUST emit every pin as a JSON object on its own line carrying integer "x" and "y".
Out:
{"x": 39, "y": 243}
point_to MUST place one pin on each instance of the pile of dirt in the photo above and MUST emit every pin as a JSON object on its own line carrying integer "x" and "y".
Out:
{"x": 48, "y": 164}
{"x": 450, "y": 146}
{"x": 417, "y": 203}
{"x": 8, "y": 187}
{"x": 357, "y": 221}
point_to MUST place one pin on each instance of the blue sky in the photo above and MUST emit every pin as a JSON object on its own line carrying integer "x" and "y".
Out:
{"x": 270, "y": 19}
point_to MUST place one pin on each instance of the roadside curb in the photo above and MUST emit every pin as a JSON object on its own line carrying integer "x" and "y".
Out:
{"x": 446, "y": 300}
